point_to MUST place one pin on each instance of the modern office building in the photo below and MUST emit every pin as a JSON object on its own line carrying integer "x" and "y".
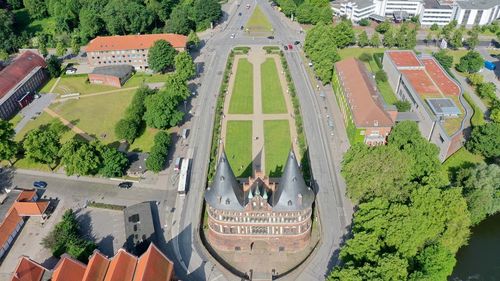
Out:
{"x": 19, "y": 82}
{"x": 434, "y": 96}
{"x": 128, "y": 49}
{"x": 260, "y": 213}
{"x": 440, "y": 12}
{"x": 153, "y": 265}
{"x": 361, "y": 103}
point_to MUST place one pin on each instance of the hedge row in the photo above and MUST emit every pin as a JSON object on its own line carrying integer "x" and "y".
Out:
{"x": 106, "y": 206}
{"x": 240, "y": 50}
{"x": 271, "y": 49}
{"x": 219, "y": 111}
{"x": 306, "y": 170}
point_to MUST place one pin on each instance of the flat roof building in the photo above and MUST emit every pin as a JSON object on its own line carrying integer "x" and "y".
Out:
{"x": 435, "y": 97}
{"x": 361, "y": 102}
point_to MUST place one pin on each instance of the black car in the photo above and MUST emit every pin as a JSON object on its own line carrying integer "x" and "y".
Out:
{"x": 125, "y": 184}
{"x": 239, "y": 14}
{"x": 296, "y": 42}
{"x": 241, "y": 27}
{"x": 270, "y": 37}
{"x": 40, "y": 184}
{"x": 285, "y": 47}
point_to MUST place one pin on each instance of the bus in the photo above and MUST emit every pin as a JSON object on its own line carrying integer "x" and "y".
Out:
{"x": 183, "y": 177}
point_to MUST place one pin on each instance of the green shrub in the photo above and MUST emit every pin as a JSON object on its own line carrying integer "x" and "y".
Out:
{"x": 381, "y": 76}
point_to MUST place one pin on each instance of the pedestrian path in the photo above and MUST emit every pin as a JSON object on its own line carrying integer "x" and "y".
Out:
{"x": 257, "y": 56}
{"x": 68, "y": 124}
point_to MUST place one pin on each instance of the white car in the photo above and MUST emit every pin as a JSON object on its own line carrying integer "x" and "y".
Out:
{"x": 232, "y": 36}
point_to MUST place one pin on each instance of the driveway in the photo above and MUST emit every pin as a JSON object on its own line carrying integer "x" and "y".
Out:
{"x": 33, "y": 109}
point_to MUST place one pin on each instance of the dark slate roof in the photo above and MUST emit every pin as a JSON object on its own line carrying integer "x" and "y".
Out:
{"x": 225, "y": 192}
{"x": 139, "y": 226}
{"x": 120, "y": 71}
{"x": 291, "y": 187}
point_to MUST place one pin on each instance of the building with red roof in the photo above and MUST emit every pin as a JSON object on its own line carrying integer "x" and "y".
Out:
{"x": 128, "y": 49}
{"x": 19, "y": 81}
{"x": 435, "y": 97}
{"x": 361, "y": 103}
{"x": 25, "y": 205}
{"x": 153, "y": 265}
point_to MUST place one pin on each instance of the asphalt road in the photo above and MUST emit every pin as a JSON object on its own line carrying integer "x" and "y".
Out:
{"x": 191, "y": 259}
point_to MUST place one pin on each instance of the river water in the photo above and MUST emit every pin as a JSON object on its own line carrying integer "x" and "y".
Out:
{"x": 480, "y": 260}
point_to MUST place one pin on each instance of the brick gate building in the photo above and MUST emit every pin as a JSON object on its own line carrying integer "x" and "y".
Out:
{"x": 259, "y": 213}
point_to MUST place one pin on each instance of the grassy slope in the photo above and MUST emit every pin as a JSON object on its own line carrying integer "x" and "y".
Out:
{"x": 272, "y": 92}
{"x": 238, "y": 146}
{"x": 277, "y": 144}
{"x": 242, "y": 97}
{"x": 258, "y": 21}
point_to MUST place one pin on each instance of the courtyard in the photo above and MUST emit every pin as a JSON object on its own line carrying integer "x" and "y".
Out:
{"x": 258, "y": 129}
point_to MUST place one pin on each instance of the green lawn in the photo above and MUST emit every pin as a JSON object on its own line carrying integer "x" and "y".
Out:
{"x": 43, "y": 119}
{"x": 78, "y": 84}
{"x": 96, "y": 115}
{"x": 258, "y": 22}
{"x": 273, "y": 100}
{"x": 145, "y": 141}
{"x": 277, "y": 144}
{"x": 140, "y": 78}
{"x": 356, "y": 52}
{"x": 46, "y": 88}
{"x": 238, "y": 146}
{"x": 242, "y": 97}
{"x": 15, "y": 120}
{"x": 461, "y": 158}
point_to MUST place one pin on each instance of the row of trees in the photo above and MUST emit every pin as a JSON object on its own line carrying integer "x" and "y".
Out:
{"x": 159, "y": 152}
{"x": 307, "y": 11}
{"x": 76, "y": 22}
{"x": 408, "y": 225}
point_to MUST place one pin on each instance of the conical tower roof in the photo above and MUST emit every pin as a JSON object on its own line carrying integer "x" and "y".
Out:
{"x": 292, "y": 193}
{"x": 225, "y": 192}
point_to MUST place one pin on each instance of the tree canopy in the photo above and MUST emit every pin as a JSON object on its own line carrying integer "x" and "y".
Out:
{"x": 472, "y": 62}
{"x": 161, "y": 110}
{"x": 161, "y": 56}
{"x": 42, "y": 146}
{"x": 321, "y": 47}
{"x": 184, "y": 66}
{"x": 159, "y": 151}
{"x": 485, "y": 140}
{"x": 8, "y": 147}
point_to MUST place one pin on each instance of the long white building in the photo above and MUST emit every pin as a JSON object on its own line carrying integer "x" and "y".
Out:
{"x": 441, "y": 12}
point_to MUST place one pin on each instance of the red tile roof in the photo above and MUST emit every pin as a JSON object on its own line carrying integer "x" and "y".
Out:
{"x": 12, "y": 219}
{"x": 404, "y": 58}
{"x": 68, "y": 269}
{"x": 28, "y": 270}
{"x": 122, "y": 267}
{"x": 154, "y": 265}
{"x": 31, "y": 208}
{"x": 130, "y": 42}
{"x": 97, "y": 267}
{"x": 421, "y": 82}
{"x": 26, "y": 195}
{"x": 366, "y": 109}
{"x": 16, "y": 71}
{"x": 444, "y": 83}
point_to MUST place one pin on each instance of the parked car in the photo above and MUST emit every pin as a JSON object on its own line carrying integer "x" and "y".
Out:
{"x": 290, "y": 46}
{"x": 270, "y": 37}
{"x": 232, "y": 35}
{"x": 489, "y": 65}
{"x": 40, "y": 184}
{"x": 241, "y": 27}
{"x": 239, "y": 14}
{"x": 125, "y": 184}
{"x": 285, "y": 47}
{"x": 296, "y": 42}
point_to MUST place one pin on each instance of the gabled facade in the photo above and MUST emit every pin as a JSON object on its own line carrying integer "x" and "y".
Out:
{"x": 276, "y": 214}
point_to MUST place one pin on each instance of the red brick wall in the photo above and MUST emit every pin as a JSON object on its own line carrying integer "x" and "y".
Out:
{"x": 105, "y": 80}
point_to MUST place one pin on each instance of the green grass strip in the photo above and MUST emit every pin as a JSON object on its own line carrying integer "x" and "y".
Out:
{"x": 238, "y": 146}
{"x": 273, "y": 100}
{"x": 242, "y": 97}
{"x": 277, "y": 144}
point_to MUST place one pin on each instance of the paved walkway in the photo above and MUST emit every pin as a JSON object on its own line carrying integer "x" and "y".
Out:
{"x": 256, "y": 57}
{"x": 69, "y": 124}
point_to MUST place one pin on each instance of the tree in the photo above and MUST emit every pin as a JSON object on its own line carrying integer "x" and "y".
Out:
{"x": 475, "y": 79}
{"x": 343, "y": 34}
{"x": 42, "y": 146}
{"x": 428, "y": 38}
{"x": 434, "y": 27}
{"x": 180, "y": 21}
{"x": 126, "y": 17}
{"x": 80, "y": 158}
{"x": 15, "y": 4}
{"x": 75, "y": 45}
{"x": 389, "y": 41}
{"x": 473, "y": 39}
{"x": 54, "y": 66}
{"x": 161, "y": 56}
{"x": 487, "y": 90}
{"x": 375, "y": 40}
{"x": 363, "y": 39}
{"x": 403, "y": 106}
{"x": 472, "y": 62}
{"x": 381, "y": 76}
{"x": 159, "y": 152}
{"x": 126, "y": 129}
{"x": 366, "y": 57}
{"x": 193, "y": 41}
{"x": 312, "y": 12}
{"x": 383, "y": 27}
{"x": 364, "y": 22}
{"x": 435, "y": 262}
{"x": 7, "y": 31}
{"x": 3, "y": 55}
{"x": 113, "y": 162}
{"x": 444, "y": 59}
{"x": 91, "y": 23}
{"x": 177, "y": 87}
{"x": 495, "y": 114}
{"x": 161, "y": 110}
{"x": 485, "y": 140}
{"x": 8, "y": 147}
{"x": 60, "y": 49}
{"x": 456, "y": 39}
{"x": 184, "y": 66}
{"x": 36, "y": 8}
{"x": 321, "y": 47}
{"x": 480, "y": 186}
{"x": 446, "y": 30}
{"x": 386, "y": 175}
{"x": 206, "y": 12}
